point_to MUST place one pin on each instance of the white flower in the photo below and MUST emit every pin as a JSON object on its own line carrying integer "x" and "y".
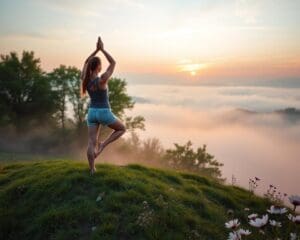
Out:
{"x": 259, "y": 222}
{"x": 247, "y": 209}
{"x": 275, "y": 224}
{"x": 243, "y": 232}
{"x": 295, "y": 200}
{"x": 277, "y": 210}
{"x": 233, "y": 224}
{"x": 293, "y": 236}
{"x": 295, "y": 219}
{"x": 233, "y": 236}
{"x": 252, "y": 216}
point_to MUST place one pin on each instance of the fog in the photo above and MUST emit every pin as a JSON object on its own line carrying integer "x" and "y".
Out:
{"x": 240, "y": 126}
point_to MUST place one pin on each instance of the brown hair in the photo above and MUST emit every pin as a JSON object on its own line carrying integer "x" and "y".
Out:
{"x": 92, "y": 64}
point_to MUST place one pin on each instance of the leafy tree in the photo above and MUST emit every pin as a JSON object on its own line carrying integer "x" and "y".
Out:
{"x": 60, "y": 78}
{"x": 121, "y": 101}
{"x": 79, "y": 104}
{"x": 25, "y": 93}
{"x": 152, "y": 150}
{"x": 199, "y": 161}
{"x": 118, "y": 97}
{"x": 66, "y": 82}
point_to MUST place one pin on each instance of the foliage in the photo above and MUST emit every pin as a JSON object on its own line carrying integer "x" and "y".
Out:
{"x": 198, "y": 161}
{"x": 66, "y": 83}
{"x": 26, "y": 97}
{"x": 121, "y": 101}
{"x": 150, "y": 152}
{"x": 118, "y": 98}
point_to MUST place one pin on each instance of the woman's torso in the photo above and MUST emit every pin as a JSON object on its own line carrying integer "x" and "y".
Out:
{"x": 99, "y": 98}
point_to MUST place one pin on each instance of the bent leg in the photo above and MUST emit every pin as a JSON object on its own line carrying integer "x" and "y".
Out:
{"x": 119, "y": 130}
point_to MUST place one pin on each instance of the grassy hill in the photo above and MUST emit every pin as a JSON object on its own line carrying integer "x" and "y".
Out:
{"x": 58, "y": 199}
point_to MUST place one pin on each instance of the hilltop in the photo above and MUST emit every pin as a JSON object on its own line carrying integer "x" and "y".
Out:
{"x": 58, "y": 199}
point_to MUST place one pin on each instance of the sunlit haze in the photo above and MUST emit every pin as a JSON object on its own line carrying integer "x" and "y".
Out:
{"x": 191, "y": 40}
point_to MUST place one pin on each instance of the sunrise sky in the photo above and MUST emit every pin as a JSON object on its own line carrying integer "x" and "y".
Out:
{"x": 168, "y": 40}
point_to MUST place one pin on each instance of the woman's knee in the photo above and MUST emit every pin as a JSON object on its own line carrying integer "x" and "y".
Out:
{"x": 123, "y": 128}
{"x": 118, "y": 126}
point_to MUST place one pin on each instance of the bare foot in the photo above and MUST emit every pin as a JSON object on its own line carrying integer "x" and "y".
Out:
{"x": 100, "y": 149}
{"x": 92, "y": 171}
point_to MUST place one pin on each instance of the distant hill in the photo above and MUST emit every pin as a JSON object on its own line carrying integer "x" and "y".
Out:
{"x": 58, "y": 199}
{"x": 291, "y": 115}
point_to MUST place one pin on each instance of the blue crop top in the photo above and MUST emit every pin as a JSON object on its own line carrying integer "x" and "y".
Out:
{"x": 99, "y": 97}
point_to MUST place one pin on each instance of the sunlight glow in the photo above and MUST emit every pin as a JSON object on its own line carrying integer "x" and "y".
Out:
{"x": 191, "y": 68}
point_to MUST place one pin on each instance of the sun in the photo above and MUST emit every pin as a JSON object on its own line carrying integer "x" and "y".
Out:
{"x": 191, "y": 68}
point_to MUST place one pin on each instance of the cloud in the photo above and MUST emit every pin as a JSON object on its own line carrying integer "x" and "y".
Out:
{"x": 24, "y": 34}
{"x": 259, "y": 142}
{"x": 248, "y": 10}
{"x": 93, "y": 7}
{"x": 53, "y": 34}
{"x": 83, "y": 8}
{"x": 200, "y": 98}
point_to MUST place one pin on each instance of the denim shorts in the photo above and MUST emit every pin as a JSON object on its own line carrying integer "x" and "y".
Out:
{"x": 103, "y": 116}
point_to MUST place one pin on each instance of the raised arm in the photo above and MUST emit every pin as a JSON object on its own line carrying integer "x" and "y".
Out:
{"x": 89, "y": 57}
{"x": 92, "y": 55}
{"x": 112, "y": 63}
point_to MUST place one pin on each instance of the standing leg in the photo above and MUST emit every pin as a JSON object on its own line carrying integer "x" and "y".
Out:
{"x": 92, "y": 139}
{"x": 119, "y": 130}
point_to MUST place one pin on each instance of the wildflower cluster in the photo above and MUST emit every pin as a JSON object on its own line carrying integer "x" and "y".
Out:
{"x": 268, "y": 224}
{"x": 275, "y": 195}
{"x": 237, "y": 232}
{"x": 253, "y": 184}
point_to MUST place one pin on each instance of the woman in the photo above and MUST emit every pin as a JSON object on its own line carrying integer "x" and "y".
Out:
{"x": 99, "y": 111}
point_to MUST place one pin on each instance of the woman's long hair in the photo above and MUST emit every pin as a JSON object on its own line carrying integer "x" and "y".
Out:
{"x": 91, "y": 66}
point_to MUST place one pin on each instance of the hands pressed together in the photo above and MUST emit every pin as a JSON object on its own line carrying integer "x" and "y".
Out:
{"x": 99, "y": 45}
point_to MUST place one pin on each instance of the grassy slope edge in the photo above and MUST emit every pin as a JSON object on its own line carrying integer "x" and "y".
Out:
{"x": 57, "y": 200}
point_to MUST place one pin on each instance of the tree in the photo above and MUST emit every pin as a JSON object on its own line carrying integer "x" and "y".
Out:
{"x": 60, "y": 78}
{"x": 121, "y": 101}
{"x": 79, "y": 105}
{"x": 66, "y": 82}
{"x": 118, "y": 98}
{"x": 199, "y": 161}
{"x": 25, "y": 93}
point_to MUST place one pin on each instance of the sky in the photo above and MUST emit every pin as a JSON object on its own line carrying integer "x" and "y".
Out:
{"x": 170, "y": 41}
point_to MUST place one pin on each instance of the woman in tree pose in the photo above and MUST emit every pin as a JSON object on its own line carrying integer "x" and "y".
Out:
{"x": 99, "y": 111}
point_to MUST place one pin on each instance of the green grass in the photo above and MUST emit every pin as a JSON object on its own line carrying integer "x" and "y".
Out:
{"x": 56, "y": 199}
